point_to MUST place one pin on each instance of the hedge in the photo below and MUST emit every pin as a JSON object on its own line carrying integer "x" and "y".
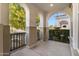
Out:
{"x": 59, "y": 35}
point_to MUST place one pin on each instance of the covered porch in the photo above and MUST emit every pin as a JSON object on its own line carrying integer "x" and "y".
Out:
{"x": 29, "y": 39}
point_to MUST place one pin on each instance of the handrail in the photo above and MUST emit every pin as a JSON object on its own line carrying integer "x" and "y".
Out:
{"x": 17, "y": 40}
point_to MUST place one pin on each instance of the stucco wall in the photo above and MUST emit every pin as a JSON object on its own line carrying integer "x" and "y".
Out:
{"x": 4, "y": 13}
{"x": 4, "y": 29}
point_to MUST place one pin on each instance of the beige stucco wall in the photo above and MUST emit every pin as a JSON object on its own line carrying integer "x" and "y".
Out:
{"x": 36, "y": 12}
{"x": 4, "y": 29}
{"x": 68, "y": 11}
{"x": 4, "y": 13}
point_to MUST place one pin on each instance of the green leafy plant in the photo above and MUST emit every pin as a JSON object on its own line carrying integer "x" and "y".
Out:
{"x": 16, "y": 16}
{"x": 37, "y": 21}
{"x": 56, "y": 34}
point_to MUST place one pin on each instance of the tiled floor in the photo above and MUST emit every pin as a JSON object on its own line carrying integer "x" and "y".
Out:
{"x": 50, "y": 48}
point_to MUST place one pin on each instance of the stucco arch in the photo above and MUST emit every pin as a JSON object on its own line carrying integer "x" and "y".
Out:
{"x": 60, "y": 11}
{"x": 52, "y": 13}
{"x": 31, "y": 13}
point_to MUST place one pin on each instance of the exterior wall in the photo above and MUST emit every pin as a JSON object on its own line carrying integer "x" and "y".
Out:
{"x": 4, "y": 30}
{"x": 4, "y": 13}
{"x": 68, "y": 11}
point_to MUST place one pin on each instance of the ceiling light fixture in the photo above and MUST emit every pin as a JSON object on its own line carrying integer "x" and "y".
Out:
{"x": 51, "y": 5}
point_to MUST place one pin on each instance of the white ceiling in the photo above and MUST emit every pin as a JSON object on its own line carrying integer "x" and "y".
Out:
{"x": 46, "y": 6}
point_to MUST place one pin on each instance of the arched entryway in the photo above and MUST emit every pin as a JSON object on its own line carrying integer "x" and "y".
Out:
{"x": 17, "y": 23}
{"x": 59, "y": 27}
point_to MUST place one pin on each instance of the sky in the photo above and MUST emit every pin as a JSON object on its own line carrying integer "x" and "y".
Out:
{"x": 52, "y": 20}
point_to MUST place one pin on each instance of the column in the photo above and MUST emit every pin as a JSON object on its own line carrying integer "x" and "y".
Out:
{"x": 31, "y": 29}
{"x": 4, "y": 30}
{"x": 75, "y": 25}
{"x": 46, "y": 29}
{"x": 78, "y": 26}
{"x": 43, "y": 27}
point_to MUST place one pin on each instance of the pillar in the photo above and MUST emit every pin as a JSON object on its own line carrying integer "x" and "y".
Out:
{"x": 46, "y": 29}
{"x": 31, "y": 28}
{"x": 43, "y": 27}
{"x": 4, "y": 30}
{"x": 75, "y": 26}
{"x": 32, "y": 41}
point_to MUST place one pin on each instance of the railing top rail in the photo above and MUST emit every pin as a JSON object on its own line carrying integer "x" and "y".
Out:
{"x": 18, "y": 33}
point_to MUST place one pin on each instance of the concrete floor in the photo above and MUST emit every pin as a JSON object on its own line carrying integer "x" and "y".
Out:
{"x": 50, "y": 48}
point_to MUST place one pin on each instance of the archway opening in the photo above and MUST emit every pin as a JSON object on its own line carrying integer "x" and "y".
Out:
{"x": 17, "y": 24}
{"x": 59, "y": 27}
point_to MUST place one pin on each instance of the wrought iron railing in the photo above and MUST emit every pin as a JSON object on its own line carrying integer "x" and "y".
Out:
{"x": 17, "y": 40}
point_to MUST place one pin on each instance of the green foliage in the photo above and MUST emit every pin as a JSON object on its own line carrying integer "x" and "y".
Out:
{"x": 37, "y": 21}
{"x": 56, "y": 35}
{"x": 16, "y": 16}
